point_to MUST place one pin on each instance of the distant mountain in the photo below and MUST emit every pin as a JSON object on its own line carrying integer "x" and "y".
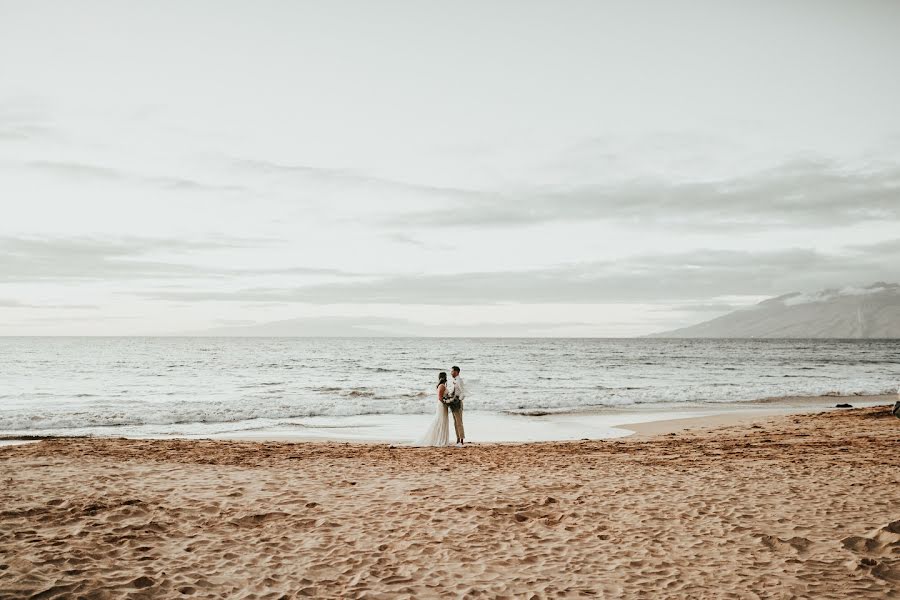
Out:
{"x": 869, "y": 312}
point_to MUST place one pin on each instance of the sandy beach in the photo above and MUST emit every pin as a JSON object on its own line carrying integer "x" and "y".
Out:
{"x": 788, "y": 506}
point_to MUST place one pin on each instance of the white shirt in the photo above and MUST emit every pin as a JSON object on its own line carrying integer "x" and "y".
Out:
{"x": 459, "y": 388}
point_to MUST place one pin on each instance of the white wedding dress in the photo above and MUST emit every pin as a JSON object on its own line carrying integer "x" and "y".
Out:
{"x": 439, "y": 432}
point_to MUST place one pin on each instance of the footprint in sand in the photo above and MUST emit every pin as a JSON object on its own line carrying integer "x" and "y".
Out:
{"x": 878, "y": 551}
{"x": 800, "y": 545}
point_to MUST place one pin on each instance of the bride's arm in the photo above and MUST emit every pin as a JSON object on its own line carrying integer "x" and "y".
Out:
{"x": 441, "y": 389}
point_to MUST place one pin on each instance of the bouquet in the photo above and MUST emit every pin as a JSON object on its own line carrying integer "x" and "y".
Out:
{"x": 452, "y": 401}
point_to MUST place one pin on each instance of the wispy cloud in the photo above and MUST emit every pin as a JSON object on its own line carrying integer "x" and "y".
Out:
{"x": 80, "y": 318}
{"x": 845, "y": 292}
{"x": 20, "y": 121}
{"x": 704, "y": 307}
{"x": 682, "y": 277}
{"x": 346, "y": 177}
{"x": 125, "y": 258}
{"x": 382, "y": 326}
{"x": 816, "y": 193}
{"x": 12, "y": 303}
{"x": 79, "y": 171}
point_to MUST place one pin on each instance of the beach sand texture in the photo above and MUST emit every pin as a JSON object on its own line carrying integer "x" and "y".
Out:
{"x": 797, "y": 506}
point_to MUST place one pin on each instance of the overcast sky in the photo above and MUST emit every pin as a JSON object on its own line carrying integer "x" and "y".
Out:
{"x": 440, "y": 168}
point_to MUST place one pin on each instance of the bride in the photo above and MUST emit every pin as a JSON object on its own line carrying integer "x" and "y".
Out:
{"x": 439, "y": 432}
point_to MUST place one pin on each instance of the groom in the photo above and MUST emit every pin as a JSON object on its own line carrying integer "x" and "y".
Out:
{"x": 457, "y": 394}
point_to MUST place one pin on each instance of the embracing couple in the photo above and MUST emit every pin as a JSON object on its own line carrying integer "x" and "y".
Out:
{"x": 450, "y": 398}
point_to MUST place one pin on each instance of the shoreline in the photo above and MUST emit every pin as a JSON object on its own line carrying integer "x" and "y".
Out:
{"x": 492, "y": 427}
{"x": 755, "y": 411}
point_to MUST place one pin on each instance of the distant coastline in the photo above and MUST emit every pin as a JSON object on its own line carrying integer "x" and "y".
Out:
{"x": 870, "y": 312}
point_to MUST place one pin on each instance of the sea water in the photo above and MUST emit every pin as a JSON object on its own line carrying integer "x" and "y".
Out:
{"x": 210, "y": 386}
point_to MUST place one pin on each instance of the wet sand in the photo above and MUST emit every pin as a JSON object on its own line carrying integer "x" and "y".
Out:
{"x": 749, "y": 413}
{"x": 790, "y": 506}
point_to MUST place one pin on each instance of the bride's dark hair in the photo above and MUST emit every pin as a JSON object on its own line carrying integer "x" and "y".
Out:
{"x": 442, "y": 378}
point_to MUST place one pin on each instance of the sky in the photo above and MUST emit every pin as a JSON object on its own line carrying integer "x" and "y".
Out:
{"x": 440, "y": 168}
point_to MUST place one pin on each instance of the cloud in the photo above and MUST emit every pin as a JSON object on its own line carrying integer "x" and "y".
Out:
{"x": 124, "y": 258}
{"x": 403, "y": 238}
{"x": 311, "y": 327}
{"x": 256, "y": 179}
{"x": 849, "y": 291}
{"x": 424, "y": 242}
{"x": 676, "y": 278}
{"x": 23, "y": 120}
{"x": 84, "y": 171}
{"x": 813, "y": 193}
{"x": 887, "y": 246}
{"x": 706, "y": 307}
{"x": 348, "y": 177}
{"x": 85, "y": 319}
{"x": 382, "y": 326}
{"x": 12, "y": 131}
{"x": 11, "y": 303}
{"x": 37, "y": 259}
{"x": 7, "y": 303}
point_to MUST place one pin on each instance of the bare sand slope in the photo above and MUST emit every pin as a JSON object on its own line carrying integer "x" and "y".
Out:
{"x": 800, "y": 506}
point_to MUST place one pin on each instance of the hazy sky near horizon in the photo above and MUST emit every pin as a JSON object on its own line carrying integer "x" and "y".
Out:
{"x": 440, "y": 168}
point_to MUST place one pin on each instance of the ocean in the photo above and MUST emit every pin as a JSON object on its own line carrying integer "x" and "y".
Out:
{"x": 192, "y": 386}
